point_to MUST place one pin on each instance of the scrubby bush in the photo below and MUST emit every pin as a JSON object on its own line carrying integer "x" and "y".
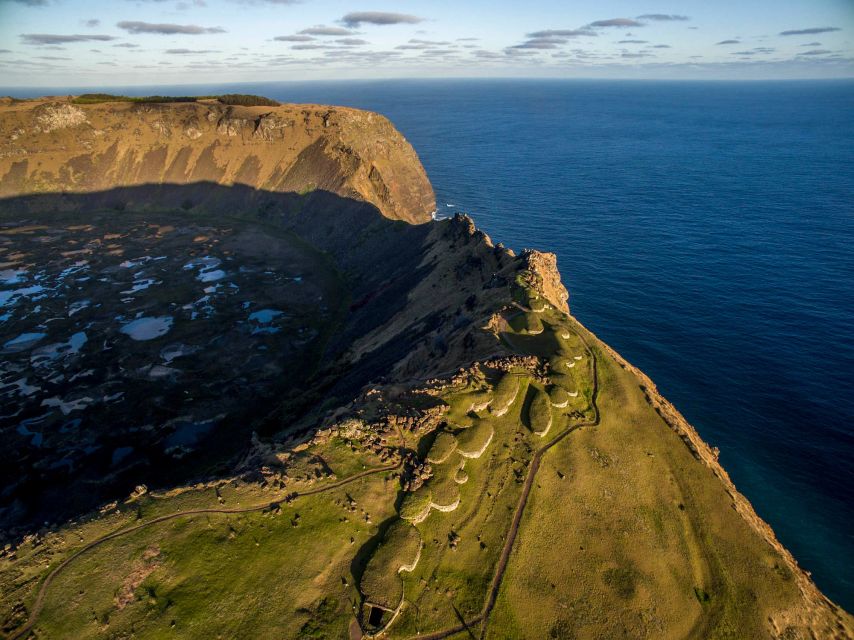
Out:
{"x": 246, "y": 100}
{"x": 478, "y": 401}
{"x": 527, "y": 323}
{"x": 415, "y": 504}
{"x": 471, "y": 442}
{"x": 537, "y": 304}
{"x": 504, "y": 394}
{"x": 96, "y": 98}
{"x": 442, "y": 447}
{"x": 240, "y": 99}
{"x": 399, "y": 551}
{"x": 444, "y": 490}
{"x": 558, "y": 396}
{"x": 540, "y": 413}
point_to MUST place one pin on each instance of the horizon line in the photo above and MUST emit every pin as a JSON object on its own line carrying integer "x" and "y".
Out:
{"x": 4, "y": 88}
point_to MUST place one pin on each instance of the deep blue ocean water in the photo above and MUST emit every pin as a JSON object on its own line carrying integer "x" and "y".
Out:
{"x": 704, "y": 230}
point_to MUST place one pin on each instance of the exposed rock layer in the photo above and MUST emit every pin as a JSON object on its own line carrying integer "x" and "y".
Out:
{"x": 52, "y": 146}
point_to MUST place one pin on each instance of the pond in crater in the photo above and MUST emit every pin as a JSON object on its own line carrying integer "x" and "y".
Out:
{"x": 111, "y": 329}
{"x": 147, "y": 328}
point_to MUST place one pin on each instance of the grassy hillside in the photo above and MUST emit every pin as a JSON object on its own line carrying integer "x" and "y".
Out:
{"x": 603, "y": 525}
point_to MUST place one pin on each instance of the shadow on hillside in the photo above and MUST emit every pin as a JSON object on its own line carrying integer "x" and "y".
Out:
{"x": 323, "y": 218}
{"x": 379, "y": 260}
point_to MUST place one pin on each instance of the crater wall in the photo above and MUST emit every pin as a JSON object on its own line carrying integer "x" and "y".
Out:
{"x": 53, "y": 146}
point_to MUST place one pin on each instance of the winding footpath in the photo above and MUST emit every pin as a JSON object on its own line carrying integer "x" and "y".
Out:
{"x": 40, "y": 598}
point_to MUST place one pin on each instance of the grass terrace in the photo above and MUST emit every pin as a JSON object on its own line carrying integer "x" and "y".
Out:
{"x": 420, "y": 561}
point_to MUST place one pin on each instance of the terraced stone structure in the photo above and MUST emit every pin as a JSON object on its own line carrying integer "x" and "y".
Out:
{"x": 251, "y": 389}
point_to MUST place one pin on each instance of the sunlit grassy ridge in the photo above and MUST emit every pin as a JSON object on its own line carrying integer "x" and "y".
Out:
{"x": 171, "y": 576}
{"x": 194, "y": 574}
{"x": 553, "y": 502}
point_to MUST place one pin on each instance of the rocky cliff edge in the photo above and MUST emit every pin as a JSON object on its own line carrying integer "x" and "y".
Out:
{"x": 52, "y": 145}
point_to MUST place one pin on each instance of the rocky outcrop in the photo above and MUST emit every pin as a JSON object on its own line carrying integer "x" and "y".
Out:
{"x": 545, "y": 278}
{"x": 53, "y": 115}
{"x": 54, "y": 146}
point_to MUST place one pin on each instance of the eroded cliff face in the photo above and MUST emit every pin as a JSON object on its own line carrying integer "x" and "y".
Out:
{"x": 53, "y": 146}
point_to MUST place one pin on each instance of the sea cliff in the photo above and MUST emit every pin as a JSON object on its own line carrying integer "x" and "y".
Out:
{"x": 55, "y": 146}
{"x": 437, "y": 446}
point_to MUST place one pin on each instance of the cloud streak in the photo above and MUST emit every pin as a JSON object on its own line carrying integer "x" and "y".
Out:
{"x": 326, "y": 31}
{"x": 540, "y": 43}
{"x": 381, "y": 18}
{"x": 182, "y": 52}
{"x": 810, "y": 31}
{"x": 296, "y": 38}
{"x": 561, "y": 33}
{"x": 166, "y": 28}
{"x": 52, "y": 38}
{"x": 352, "y": 42}
{"x": 664, "y": 17}
{"x": 616, "y": 22}
{"x": 753, "y": 51}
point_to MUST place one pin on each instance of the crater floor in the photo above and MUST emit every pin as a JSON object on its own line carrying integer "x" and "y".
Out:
{"x": 166, "y": 329}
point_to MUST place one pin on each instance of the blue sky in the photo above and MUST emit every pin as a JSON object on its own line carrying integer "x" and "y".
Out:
{"x": 128, "y": 42}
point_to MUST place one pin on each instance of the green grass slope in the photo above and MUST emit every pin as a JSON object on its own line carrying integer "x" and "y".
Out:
{"x": 553, "y": 502}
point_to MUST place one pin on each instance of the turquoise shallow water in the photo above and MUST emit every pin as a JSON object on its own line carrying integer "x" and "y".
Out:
{"x": 705, "y": 230}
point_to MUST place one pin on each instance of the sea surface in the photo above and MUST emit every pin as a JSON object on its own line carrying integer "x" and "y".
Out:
{"x": 704, "y": 230}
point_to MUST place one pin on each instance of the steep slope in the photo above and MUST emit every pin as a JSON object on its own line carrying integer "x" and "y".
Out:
{"x": 423, "y": 443}
{"x": 53, "y": 146}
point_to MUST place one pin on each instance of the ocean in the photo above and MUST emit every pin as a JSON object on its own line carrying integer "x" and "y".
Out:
{"x": 705, "y": 230}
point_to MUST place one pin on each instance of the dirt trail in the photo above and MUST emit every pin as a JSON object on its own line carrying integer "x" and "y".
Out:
{"x": 39, "y": 602}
